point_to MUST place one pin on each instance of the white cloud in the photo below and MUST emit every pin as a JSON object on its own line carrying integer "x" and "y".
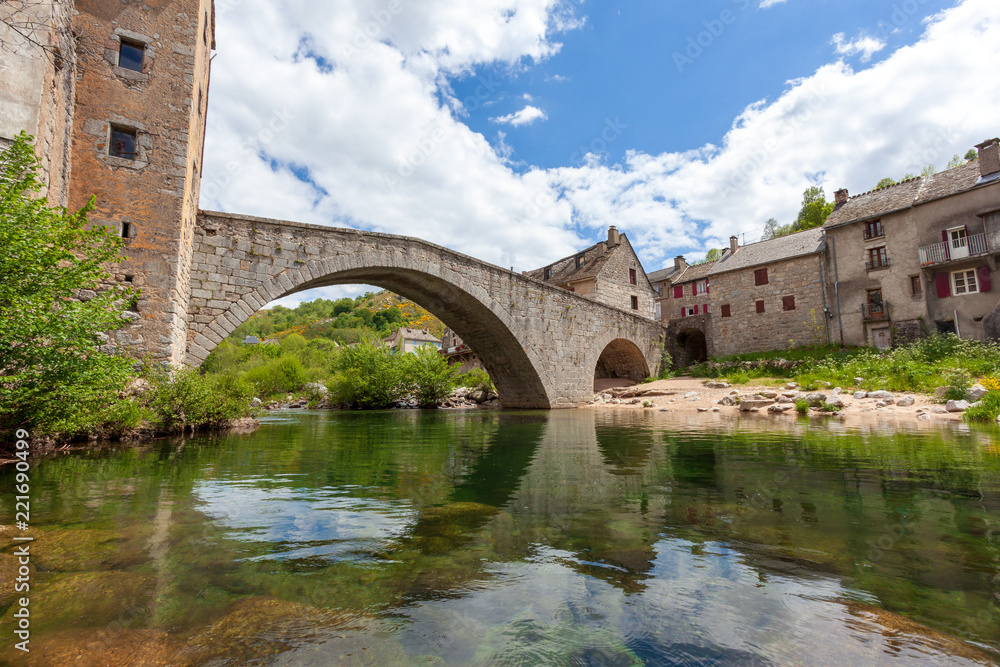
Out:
{"x": 866, "y": 46}
{"x": 525, "y": 116}
{"x": 349, "y": 130}
{"x": 764, "y": 4}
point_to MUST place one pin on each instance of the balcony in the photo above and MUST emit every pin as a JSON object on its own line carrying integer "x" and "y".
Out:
{"x": 954, "y": 250}
{"x": 871, "y": 312}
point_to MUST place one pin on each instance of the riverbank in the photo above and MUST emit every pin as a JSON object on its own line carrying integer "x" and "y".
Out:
{"x": 686, "y": 395}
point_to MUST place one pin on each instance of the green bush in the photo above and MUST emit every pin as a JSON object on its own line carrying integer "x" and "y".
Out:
{"x": 802, "y": 407}
{"x": 987, "y": 409}
{"x": 277, "y": 376}
{"x": 477, "y": 378}
{"x": 368, "y": 375}
{"x": 186, "y": 399}
{"x": 429, "y": 375}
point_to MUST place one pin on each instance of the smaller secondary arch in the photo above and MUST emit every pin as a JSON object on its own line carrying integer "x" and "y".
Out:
{"x": 621, "y": 363}
{"x": 692, "y": 347}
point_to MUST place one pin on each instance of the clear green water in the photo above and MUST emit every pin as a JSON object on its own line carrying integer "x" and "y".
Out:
{"x": 564, "y": 538}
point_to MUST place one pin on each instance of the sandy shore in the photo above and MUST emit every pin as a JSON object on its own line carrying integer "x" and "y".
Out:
{"x": 691, "y": 395}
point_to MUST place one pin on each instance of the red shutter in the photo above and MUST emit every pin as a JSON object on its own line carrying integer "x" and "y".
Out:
{"x": 678, "y": 291}
{"x": 983, "y": 273}
{"x": 694, "y": 288}
{"x": 683, "y": 311}
{"x": 696, "y": 309}
{"x": 704, "y": 309}
{"x": 943, "y": 285}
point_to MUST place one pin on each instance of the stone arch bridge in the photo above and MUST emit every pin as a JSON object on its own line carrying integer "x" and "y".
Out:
{"x": 542, "y": 345}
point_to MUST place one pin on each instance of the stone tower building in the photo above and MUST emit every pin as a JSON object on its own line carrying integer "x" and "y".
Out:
{"x": 116, "y": 93}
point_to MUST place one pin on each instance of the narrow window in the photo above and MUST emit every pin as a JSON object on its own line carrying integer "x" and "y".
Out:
{"x": 701, "y": 287}
{"x": 129, "y": 279}
{"x": 788, "y": 303}
{"x": 635, "y": 303}
{"x": 579, "y": 261}
{"x": 123, "y": 142}
{"x": 760, "y": 278}
{"x": 760, "y": 306}
{"x": 632, "y": 277}
{"x": 126, "y": 228}
{"x": 726, "y": 311}
{"x": 548, "y": 273}
{"x": 915, "y": 286}
{"x": 130, "y": 55}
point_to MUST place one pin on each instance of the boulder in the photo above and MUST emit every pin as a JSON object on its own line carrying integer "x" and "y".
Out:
{"x": 753, "y": 405}
{"x": 717, "y": 385}
{"x": 815, "y": 400}
{"x": 860, "y": 394}
{"x": 792, "y": 385}
{"x": 315, "y": 388}
{"x": 786, "y": 400}
{"x": 837, "y": 391}
{"x": 881, "y": 404}
{"x": 479, "y": 396}
{"x": 957, "y": 406}
{"x": 825, "y": 385}
{"x": 702, "y": 409}
{"x": 977, "y": 391}
{"x": 906, "y": 401}
{"x": 769, "y": 394}
{"x": 790, "y": 394}
{"x": 939, "y": 410}
{"x": 728, "y": 400}
{"x": 838, "y": 402}
{"x": 880, "y": 395}
{"x": 778, "y": 408}
{"x": 940, "y": 391}
{"x": 691, "y": 394}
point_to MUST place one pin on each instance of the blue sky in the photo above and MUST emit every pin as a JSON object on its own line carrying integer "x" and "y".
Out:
{"x": 517, "y": 130}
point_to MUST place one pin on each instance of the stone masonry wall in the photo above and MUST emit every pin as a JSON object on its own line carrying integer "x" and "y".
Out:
{"x": 614, "y": 288}
{"x": 157, "y": 192}
{"x": 774, "y": 329}
{"x": 540, "y": 343}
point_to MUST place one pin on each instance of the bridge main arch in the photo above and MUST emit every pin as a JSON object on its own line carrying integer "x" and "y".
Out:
{"x": 534, "y": 339}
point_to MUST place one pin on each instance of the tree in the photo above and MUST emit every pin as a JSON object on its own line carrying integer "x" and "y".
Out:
{"x": 769, "y": 228}
{"x": 344, "y": 305}
{"x": 386, "y": 318}
{"x": 713, "y": 255}
{"x": 929, "y": 170}
{"x": 55, "y": 304}
{"x": 885, "y": 182}
{"x": 956, "y": 161}
{"x": 430, "y": 375}
{"x": 971, "y": 154}
{"x": 815, "y": 210}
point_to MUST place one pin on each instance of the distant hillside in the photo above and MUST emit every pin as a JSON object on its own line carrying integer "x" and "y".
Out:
{"x": 344, "y": 320}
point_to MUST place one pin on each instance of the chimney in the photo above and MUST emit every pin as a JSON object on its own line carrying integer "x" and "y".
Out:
{"x": 841, "y": 196}
{"x": 680, "y": 263}
{"x": 602, "y": 248}
{"x": 989, "y": 157}
{"x": 734, "y": 244}
{"x": 612, "y": 237}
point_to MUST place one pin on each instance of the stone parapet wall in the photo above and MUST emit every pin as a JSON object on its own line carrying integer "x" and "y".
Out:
{"x": 540, "y": 343}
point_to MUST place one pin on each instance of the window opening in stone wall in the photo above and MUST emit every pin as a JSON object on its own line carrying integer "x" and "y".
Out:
{"x": 579, "y": 261}
{"x": 965, "y": 282}
{"x": 788, "y": 303}
{"x": 126, "y": 229}
{"x": 130, "y": 55}
{"x": 873, "y": 229}
{"x": 760, "y": 306}
{"x": 548, "y": 273}
{"x": 726, "y": 310}
{"x": 760, "y": 278}
{"x": 123, "y": 143}
{"x": 700, "y": 287}
{"x": 877, "y": 258}
{"x": 129, "y": 279}
{"x": 916, "y": 286}
{"x": 632, "y": 280}
{"x": 635, "y": 303}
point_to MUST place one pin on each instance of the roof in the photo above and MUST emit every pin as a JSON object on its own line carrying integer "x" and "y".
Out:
{"x": 904, "y": 195}
{"x": 251, "y": 340}
{"x": 662, "y": 274}
{"x": 416, "y": 335}
{"x": 565, "y": 271}
{"x": 808, "y": 242}
{"x": 694, "y": 272}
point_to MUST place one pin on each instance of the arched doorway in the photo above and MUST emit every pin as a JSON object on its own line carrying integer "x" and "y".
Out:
{"x": 621, "y": 364}
{"x": 692, "y": 347}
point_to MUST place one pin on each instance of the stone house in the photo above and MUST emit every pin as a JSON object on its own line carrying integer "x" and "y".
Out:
{"x": 608, "y": 272}
{"x": 661, "y": 281}
{"x": 458, "y": 353}
{"x": 769, "y": 295}
{"x": 918, "y": 257}
{"x": 407, "y": 340}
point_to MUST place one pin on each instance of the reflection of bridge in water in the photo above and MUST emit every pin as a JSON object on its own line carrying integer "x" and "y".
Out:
{"x": 542, "y": 345}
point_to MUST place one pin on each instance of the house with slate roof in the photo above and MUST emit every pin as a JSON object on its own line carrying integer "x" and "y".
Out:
{"x": 608, "y": 272}
{"x": 918, "y": 257}
{"x": 662, "y": 281}
{"x": 407, "y": 340}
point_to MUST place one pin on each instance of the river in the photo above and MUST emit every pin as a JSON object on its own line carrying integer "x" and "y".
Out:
{"x": 575, "y": 537}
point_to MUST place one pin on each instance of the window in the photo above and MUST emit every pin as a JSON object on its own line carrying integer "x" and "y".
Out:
{"x": 700, "y": 287}
{"x": 690, "y": 310}
{"x": 635, "y": 303}
{"x": 726, "y": 311}
{"x": 965, "y": 282}
{"x": 659, "y": 311}
{"x": 123, "y": 143}
{"x": 915, "y": 286}
{"x": 873, "y": 229}
{"x": 632, "y": 277}
{"x": 126, "y": 229}
{"x": 678, "y": 291}
{"x": 130, "y": 55}
{"x": 579, "y": 261}
{"x": 877, "y": 258}
{"x": 788, "y": 303}
{"x": 760, "y": 278}
{"x": 760, "y": 306}
{"x": 548, "y": 273}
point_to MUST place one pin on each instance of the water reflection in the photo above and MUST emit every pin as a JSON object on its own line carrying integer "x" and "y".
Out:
{"x": 531, "y": 538}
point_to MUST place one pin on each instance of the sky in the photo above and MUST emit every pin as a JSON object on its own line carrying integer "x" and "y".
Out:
{"x": 518, "y": 131}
